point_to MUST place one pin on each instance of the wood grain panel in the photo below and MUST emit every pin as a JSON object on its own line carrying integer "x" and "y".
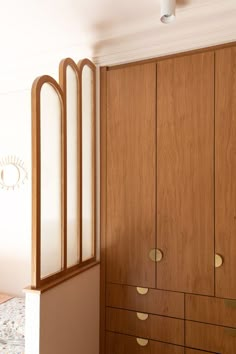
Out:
{"x": 160, "y": 328}
{"x": 131, "y": 174}
{"x": 193, "y": 351}
{"x": 185, "y": 183}
{"x": 209, "y": 337}
{"x": 121, "y": 344}
{"x": 226, "y": 171}
{"x": 211, "y": 310}
{"x": 166, "y": 303}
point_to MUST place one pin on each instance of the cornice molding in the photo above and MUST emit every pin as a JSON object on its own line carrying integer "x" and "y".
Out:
{"x": 196, "y": 27}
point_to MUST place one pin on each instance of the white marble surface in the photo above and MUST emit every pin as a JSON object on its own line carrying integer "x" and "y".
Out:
{"x": 12, "y": 326}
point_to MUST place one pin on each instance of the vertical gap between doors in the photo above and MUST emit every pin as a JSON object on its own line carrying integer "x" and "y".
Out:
{"x": 156, "y": 215}
{"x": 105, "y": 236}
{"x": 214, "y": 174}
{"x": 184, "y": 323}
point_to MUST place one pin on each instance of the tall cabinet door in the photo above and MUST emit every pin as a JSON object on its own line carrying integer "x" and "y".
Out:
{"x": 185, "y": 173}
{"x": 226, "y": 171}
{"x": 131, "y": 174}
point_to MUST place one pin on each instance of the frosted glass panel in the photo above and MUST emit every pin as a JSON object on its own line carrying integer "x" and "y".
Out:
{"x": 72, "y": 168}
{"x": 50, "y": 141}
{"x": 87, "y": 163}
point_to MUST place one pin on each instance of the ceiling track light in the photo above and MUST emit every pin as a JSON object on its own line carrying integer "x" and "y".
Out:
{"x": 167, "y": 11}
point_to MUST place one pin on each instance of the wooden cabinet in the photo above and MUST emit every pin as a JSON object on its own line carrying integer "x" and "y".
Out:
{"x": 185, "y": 176}
{"x": 123, "y": 344}
{"x": 160, "y": 302}
{"x": 168, "y": 185}
{"x": 225, "y": 171}
{"x": 183, "y": 158}
{"x": 131, "y": 175}
{"x": 164, "y": 329}
{"x": 193, "y": 351}
{"x": 210, "y": 310}
{"x": 212, "y": 338}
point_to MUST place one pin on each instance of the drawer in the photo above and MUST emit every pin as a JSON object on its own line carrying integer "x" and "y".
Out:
{"x": 154, "y": 327}
{"x": 195, "y": 351}
{"x": 211, "y": 310}
{"x": 123, "y": 344}
{"x": 209, "y": 337}
{"x": 159, "y": 302}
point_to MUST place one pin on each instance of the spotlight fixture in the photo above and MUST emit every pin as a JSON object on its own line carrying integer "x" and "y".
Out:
{"x": 167, "y": 11}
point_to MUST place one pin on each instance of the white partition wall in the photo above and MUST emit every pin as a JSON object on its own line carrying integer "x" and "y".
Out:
{"x": 65, "y": 319}
{"x": 65, "y": 285}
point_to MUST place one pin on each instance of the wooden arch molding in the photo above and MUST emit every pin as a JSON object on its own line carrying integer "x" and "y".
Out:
{"x": 61, "y": 90}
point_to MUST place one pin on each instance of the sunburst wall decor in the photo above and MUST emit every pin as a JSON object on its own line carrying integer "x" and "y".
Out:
{"x": 13, "y": 172}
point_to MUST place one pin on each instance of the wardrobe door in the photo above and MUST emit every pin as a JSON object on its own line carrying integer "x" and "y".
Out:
{"x": 226, "y": 171}
{"x": 185, "y": 173}
{"x": 131, "y": 174}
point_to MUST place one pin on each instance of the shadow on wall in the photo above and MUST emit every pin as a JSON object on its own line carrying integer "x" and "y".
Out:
{"x": 182, "y": 3}
{"x": 13, "y": 275}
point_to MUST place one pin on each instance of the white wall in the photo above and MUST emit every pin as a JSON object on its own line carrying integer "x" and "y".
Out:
{"x": 15, "y": 206}
{"x": 65, "y": 318}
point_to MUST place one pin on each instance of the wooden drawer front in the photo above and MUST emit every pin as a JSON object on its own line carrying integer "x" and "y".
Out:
{"x": 194, "y": 351}
{"x": 209, "y": 337}
{"x": 211, "y": 310}
{"x": 154, "y": 301}
{"x": 165, "y": 329}
{"x": 121, "y": 344}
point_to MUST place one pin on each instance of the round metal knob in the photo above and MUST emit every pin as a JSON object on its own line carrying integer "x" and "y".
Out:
{"x": 156, "y": 255}
{"x": 218, "y": 260}
{"x": 142, "y": 342}
{"x": 142, "y": 316}
{"x": 159, "y": 255}
{"x": 142, "y": 291}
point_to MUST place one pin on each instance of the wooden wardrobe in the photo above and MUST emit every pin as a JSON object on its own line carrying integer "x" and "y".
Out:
{"x": 168, "y": 205}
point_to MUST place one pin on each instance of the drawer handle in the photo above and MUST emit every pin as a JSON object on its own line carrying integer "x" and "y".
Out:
{"x": 142, "y": 342}
{"x": 230, "y": 303}
{"x": 231, "y": 332}
{"x": 156, "y": 255}
{"x": 142, "y": 316}
{"x": 142, "y": 291}
{"x": 218, "y": 260}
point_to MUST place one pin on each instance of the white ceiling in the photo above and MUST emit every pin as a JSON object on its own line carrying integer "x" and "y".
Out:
{"x": 37, "y": 25}
{"x": 109, "y": 29}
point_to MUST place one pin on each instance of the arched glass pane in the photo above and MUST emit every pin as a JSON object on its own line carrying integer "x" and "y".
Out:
{"x": 50, "y": 142}
{"x": 87, "y": 163}
{"x": 72, "y": 168}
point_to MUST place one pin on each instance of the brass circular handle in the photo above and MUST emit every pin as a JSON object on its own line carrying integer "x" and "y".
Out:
{"x": 142, "y": 342}
{"x": 142, "y": 291}
{"x": 218, "y": 260}
{"x": 152, "y": 255}
{"x": 156, "y": 255}
{"x": 159, "y": 255}
{"x": 142, "y": 316}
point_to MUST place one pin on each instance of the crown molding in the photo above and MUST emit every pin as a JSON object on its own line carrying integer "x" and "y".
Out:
{"x": 195, "y": 27}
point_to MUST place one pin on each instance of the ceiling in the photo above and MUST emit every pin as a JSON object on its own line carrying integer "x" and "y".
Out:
{"x": 108, "y": 29}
